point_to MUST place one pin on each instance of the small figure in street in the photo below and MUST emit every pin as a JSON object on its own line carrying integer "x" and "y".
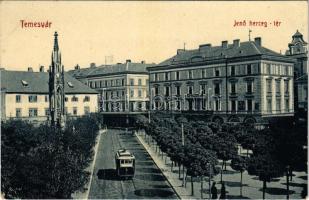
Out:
{"x": 214, "y": 194}
{"x": 223, "y": 192}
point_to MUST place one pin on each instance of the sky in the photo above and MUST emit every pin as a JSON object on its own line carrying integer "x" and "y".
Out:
{"x": 149, "y": 31}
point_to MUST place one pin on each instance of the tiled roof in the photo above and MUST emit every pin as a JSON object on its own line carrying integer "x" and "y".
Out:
{"x": 244, "y": 49}
{"x": 37, "y": 82}
{"x": 111, "y": 69}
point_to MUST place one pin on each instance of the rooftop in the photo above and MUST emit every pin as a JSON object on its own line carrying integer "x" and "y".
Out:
{"x": 37, "y": 82}
{"x": 206, "y": 52}
{"x": 127, "y": 67}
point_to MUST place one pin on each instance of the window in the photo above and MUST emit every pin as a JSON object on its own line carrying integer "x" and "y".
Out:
{"x": 278, "y": 105}
{"x": 156, "y": 77}
{"x": 131, "y": 93}
{"x": 249, "y": 69}
{"x": 18, "y": 98}
{"x": 268, "y": 69}
{"x": 286, "y": 86}
{"x": 167, "y": 91}
{"x": 18, "y": 112}
{"x": 33, "y": 112}
{"x": 86, "y": 110}
{"x": 269, "y": 107}
{"x": 249, "y": 105}
{"x": 131, "y": 81}
{"x": 203, "y": 73}
{"x": 268, "y": 85}
{"x": 217, "y": 72}
{"x": 122, "y": 82}
{"x": 203, "y": 89}
{"x": 178, "y": 90}
{"x": 177, "y": 105}
{"x": 74, "y": 110}
{"x": 241, "y": 105}
{"x": 190, "y": 74}
{"x": 256, "y": 106}
{"x": 91, "y": 84}
{"x": 167, "y": 76}
{"x": 139, "y": 82}
{"x": 156, "y": 91}
{"x": 249, "y": 87}
{"x": 66, "y": 99}
{"x": 286, "y": 70}
{"x": 217, "y": 89}
{"x": 46, "y": 98}
{"x": 233, "y": 71}
{"x": 33, "y": 98}
{"x": 217, "y": 105}
{"x": 139, "y": 93}
{"x": 190, "y": 89}
{"x": 278, "y": 87}
{"x": 86, "y": 99}
{"x": 287, "y": 102}
{"x": 233, "y": 88}
{"x": 177, "y": 75}
{"x": 233, "y": 105}
{"x": 46, "y": 111}
{"x": 74, "y": 99}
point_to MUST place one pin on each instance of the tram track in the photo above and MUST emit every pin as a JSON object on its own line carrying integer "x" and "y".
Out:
{"x": 125, "y": 182}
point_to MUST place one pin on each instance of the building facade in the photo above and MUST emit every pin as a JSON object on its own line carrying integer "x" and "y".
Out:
{"x": 122, "y": 87}
{"x": 25, "y": 95}
{"x": 298, "y": 50}
{"x": 238, "y": 82}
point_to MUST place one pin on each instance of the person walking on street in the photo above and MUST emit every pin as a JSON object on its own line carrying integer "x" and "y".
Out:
{"x": 223, "y": 191}
{"x": 214, "y": 194}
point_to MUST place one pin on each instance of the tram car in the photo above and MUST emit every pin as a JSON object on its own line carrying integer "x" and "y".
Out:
{"x": 125, "y": 164}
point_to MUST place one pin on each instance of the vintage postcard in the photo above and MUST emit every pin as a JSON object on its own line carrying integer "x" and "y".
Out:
{"x": 154, "y": 99}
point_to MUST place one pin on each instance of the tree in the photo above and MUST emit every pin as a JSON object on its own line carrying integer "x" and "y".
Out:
{"x": 239, "y": 163}
{"x": 43, "y": 162}
{"x": 265, "y": 167}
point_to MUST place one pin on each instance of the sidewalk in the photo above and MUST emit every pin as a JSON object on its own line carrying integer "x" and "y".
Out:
{"x": 252, "y": 187}
{"x": 84, "y": 194}
{"x": 172, "y": 178}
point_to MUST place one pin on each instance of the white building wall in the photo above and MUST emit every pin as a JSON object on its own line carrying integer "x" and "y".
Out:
{"x": 11, "y": 105}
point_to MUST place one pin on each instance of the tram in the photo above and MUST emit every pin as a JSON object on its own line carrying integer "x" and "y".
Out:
{"x": 125, "y": 164}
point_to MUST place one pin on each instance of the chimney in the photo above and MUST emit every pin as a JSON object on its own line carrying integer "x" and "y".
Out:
{"x": 180, "y": 51}
{"x": 92, "y": 65}
{"x": 236, "y": 43}
{"x": 41, "y": 68}
{"x": 30, "y": 69}
{"x": 128, "y": 61}
{"x": 258, "y": 41}
{"x": 224, "y": 44}
{"x": 143, "y": 62}
{"x": 77, "y": 67}
{"x": 204, "y": 46}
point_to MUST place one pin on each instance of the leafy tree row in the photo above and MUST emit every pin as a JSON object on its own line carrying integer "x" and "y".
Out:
{"x": 42, "y": 162}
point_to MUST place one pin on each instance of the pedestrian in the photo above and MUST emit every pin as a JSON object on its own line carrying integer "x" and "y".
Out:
{"x": 214, "y": 194}
{"x": 222, "y": 192}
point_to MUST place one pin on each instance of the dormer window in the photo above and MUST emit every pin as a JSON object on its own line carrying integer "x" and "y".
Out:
{"x": 70, "y": 84}
{"x": 25, "y": 83}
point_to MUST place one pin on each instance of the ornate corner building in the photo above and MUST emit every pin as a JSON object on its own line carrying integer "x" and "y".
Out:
{"x": 238, "y": 82}
{"x": 299, "y": 51}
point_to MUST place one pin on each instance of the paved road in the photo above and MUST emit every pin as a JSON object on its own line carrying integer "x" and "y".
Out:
{"x": 148, "y": 181}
